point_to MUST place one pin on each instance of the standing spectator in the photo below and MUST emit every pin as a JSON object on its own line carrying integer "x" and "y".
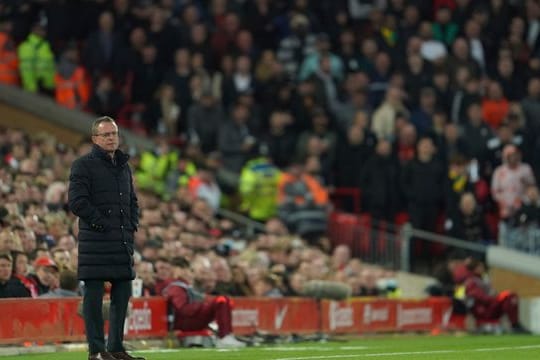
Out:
{"x": 312, "y": 62}
{"x": 379, "y": 183}
{"x": 162, "y": 117}
{"x": 105, "y": 100}
{"x": 204, "y": 119}
{"x": 9, "y": 61}
{"x": 107, "y": 224}
{"x": 352, "y": 155}
{"x": 423, "y": 185}
{"x": 147, "y": 75}
{"x": 384, "y": 118}
{"x": 280, "y": 139}
{"x": 37, "y": 60}
{"x": 299, "y": 44}
{"x": 72, "y": 86}
{"x": 509, "y": 183}
{"x": 444, "y": 29}
{"x": 102, "y": 54}
{"x": 531, "y": 104}
{"x": 235, "y": 141}
{"x": 422, "y": 118}
{"x": 180, "y": 78}
{"x": 476, "y": 134}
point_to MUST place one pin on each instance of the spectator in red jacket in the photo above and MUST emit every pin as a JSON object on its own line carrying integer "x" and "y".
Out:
{"x": 194, "y": 310}
{"x": 486, "y": 303}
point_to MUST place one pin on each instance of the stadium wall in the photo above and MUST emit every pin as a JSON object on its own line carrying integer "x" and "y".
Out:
{"x": 57, "y": 320}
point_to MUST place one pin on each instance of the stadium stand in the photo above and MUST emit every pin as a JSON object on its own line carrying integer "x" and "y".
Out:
{"x": 384, "y": 111}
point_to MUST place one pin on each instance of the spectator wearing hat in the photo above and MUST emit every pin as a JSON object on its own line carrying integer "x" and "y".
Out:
{"x": 45, "y": 274}
{"x": 69, "y": 286}
{"x": 10, "y": 287}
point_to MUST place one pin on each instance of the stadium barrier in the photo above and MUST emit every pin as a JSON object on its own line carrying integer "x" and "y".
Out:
{"x": 57, "y": 320}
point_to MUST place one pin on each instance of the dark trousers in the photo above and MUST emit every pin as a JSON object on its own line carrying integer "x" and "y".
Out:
{"x": 93, "y": 316}
{"x": 218, "y": 309}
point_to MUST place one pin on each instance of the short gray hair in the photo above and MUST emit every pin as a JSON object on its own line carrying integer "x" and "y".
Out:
{"x": 99, "y": 120}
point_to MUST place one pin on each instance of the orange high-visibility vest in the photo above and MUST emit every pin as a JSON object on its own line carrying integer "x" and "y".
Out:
{"x": 9, "y": 62}
{"x": 72, "y": 92}
{"x": 319, "y": 193}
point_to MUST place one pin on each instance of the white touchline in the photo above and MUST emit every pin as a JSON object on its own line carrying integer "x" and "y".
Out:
{"x": 349, "y": 356}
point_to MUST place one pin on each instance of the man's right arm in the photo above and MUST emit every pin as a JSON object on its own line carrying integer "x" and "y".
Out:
{"x": 79, "y": 197}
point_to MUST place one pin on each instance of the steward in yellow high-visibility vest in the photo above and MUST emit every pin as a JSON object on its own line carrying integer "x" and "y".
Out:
{"x": 154, "y": 170}
{"x": 259, "y": 188}
{"x": 36, "y": 61}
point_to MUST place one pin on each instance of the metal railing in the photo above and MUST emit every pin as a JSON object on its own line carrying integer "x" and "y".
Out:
{"x": 251, "y": 226}
{"x": 408, "y": 233}
{"x": 387, "y": 244}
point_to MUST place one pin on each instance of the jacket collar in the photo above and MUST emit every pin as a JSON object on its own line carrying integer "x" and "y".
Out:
{"x": 120, "y": 157}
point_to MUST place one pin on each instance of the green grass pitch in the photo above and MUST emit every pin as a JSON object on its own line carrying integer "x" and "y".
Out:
{"x": 387, "y": 347}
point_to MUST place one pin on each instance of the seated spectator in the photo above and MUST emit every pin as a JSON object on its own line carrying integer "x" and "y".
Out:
{"x": 485, "y": 302}
{"x": 45, "y": 276}
{"x": 69, "y": 286}
{"x": 194, "y": 310}
{"x": 146, "y": 272}
{"x": 268, "y": 286}
{"x": 10, "y": 287}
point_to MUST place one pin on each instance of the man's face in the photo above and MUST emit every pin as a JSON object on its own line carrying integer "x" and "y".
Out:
{"x": 46, "y": 275}
{"x": 163, "y": 270}
{"x": 106, "y": 136}
{"x": 62, "y": 258}
{"x": 5, "y": 270}
{"x": 146, "y": 273}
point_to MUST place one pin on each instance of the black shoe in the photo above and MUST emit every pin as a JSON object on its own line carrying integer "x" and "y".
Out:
{"x": 101, "y": 356}
{"x": 122, "y": 355}
{"x": 519, "y": 329}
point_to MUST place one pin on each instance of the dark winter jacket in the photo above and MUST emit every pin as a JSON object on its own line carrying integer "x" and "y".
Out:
{"x": 101, "y": 194}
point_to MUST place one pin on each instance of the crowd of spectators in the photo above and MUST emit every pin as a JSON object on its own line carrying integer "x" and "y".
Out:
{"x": 428, "y": 107}
{"x": 38, "y": 247}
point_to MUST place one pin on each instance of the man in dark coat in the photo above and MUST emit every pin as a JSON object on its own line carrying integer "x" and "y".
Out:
{"x": 101, "y": 194}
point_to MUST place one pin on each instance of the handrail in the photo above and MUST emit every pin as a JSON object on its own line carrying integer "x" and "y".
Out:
{"x": 447, "y": 240}
{"x": 408, "y": 232}
{"x": 251, "y": 225}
